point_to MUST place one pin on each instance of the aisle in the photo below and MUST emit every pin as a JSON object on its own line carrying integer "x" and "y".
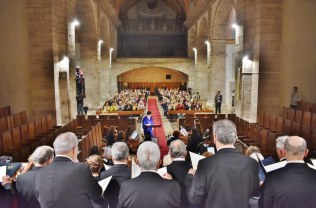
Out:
{"x": 158, "y": 132}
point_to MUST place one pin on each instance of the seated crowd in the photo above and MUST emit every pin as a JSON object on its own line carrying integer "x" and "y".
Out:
{"x": 176, "y": 99}
{"x": 225, "y": 179}
{"x": 126, "y": 100}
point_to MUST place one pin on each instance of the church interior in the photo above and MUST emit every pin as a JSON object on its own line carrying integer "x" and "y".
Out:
{"x": 131, "y": 71}
{"x": 253, "y": 52}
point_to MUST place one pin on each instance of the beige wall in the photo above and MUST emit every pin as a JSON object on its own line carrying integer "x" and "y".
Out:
{"x": 15, "y": 76}
{"x": 298, "y": 50}
{"x": 153, "y": 74}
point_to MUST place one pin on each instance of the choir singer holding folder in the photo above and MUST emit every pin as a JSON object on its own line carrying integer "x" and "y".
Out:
{"x": 227, "y": 179}
{"x": 148, "y": 124}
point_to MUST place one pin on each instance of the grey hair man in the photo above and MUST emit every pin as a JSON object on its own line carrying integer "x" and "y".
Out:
{"x": 294, "y": 185}
{"x": 120, "y": 172}
{"x": 177, "y": 149}
{"x": 65, "y": 183}
{"x": 139, "y": 191}
{"x": 41, "y": 157}
{"x": 228, "y": 167}
{"x": 179, "y": 167}
{"x": 279, "y": 145}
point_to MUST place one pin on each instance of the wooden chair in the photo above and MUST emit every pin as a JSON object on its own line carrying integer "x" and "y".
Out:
{"x": 1, "y": 145}
{"x": 291, "y": 114}
{"x": 23, "y": 117}
{"x": 220, "y": 116}
{"x": 32, "y": 131}
{"x": 50, "y": 139}
{"x": 91, "y": 117}
{"x": 7, "y": 145}
{"x": 231, "y": 116}
{"x": 306, "y": 134}
{"x": 258, "y": 130}
{"x": 264, "y": 141}
{"x": 272, "y": 122}
{"x": 287, "y": 126}
{"x": 307, "y": 118}
{"x": 279, "y": 125}
{"x": 313, "y": 108}
{"x": 38, "y": 127}
{"x": 313, "y": 123}
{"x": 313, "y": 140}
{"x": 298, "y": 116}
{"x": 10, "y": 122}
{"x": 16, "y": 138}
{"x": 285, "y": 112}
{"x": 17, "y": 119}
{"x": 306, "y": 106}
{"x": 295, "y": 129}
{"x": 3, "y": 124}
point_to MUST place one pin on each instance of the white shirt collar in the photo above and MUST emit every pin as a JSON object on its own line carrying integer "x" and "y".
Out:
{"x": 178, "y": 159}
{"x": 227, "y": 147}
{"x": 153, "y": 171}
{"x": 64, "y": 156}
{"x": 295, "y": 161}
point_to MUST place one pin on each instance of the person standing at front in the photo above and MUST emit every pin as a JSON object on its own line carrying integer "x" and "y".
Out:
{"x": 218, "y": 102}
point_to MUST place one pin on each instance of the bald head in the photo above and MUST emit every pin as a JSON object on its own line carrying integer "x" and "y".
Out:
{"x": 295, "y": 148}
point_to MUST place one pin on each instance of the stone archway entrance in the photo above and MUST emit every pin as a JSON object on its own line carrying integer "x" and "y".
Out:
{"x": 152, "y": 77}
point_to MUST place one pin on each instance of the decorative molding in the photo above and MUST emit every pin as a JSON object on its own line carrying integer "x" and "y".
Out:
{"x": 110, "y": 11}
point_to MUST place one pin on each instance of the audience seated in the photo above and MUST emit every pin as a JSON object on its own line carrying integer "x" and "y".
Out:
{"x": 127, "y": 100}
{"x": 119, "y": 172}
{"x": 146, "y": 189}
{"x": 66, "y": 183}
{"x": 295, "y": 184}
{"x": 177, "y": 99}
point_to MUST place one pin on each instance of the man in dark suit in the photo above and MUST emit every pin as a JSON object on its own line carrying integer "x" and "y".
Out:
{"x": 227, "y": 179}
{"x": 41, "y": 157}
{"x": 179, "y": 167}
{"x": 294, "y": 185}
{"x": 218, "y": 102}
{"x": 119, "y": 172}
{"x": 149, "y": 189}
{"x": 65, "y": 183}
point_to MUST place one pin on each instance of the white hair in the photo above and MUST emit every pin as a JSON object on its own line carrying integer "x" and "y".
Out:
{"x": 279, "y": 142}
{"x": 65, "y": 142}
{"x": 120, "y": 151}
{"x": 42, "y": 154}
{"x": 225, "y": 131}
{"x": 148, "y": 155}
{"x": 177, "y": 149}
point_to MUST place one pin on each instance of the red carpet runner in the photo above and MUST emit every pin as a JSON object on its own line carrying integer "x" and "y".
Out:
{"x": 158, "y": 132}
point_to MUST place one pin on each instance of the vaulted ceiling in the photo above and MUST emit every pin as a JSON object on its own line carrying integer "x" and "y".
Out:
{"x": 180, "y": 7}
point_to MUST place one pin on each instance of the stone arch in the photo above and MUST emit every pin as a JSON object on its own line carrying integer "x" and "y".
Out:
{"x": 138, "y": 77}
{"x": 221, "y": 25}
{"x": 202, "y": 37}
{"x": 87, "y": 31}
{"x": 191, "y": 42}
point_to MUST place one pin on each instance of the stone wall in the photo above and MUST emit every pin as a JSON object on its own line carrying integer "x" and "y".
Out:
{"x": 15, "y": 88}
